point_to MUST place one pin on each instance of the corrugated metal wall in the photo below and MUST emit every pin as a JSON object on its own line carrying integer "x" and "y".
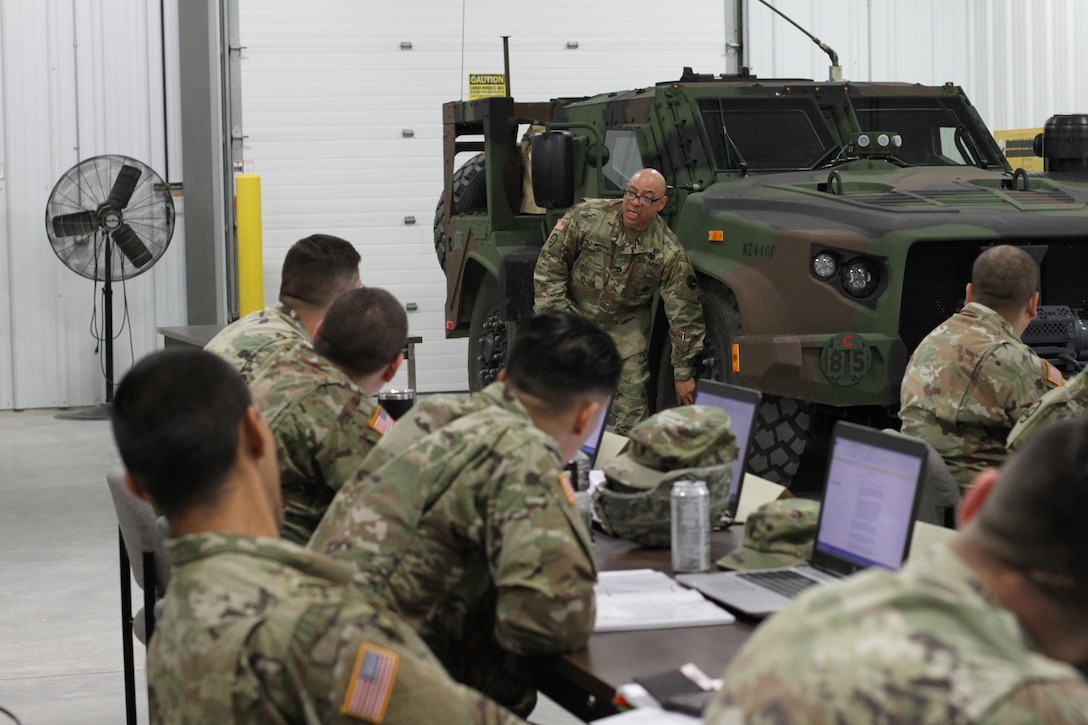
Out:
{"x": 79, "y": 78}
{"x": 328, "y": 92}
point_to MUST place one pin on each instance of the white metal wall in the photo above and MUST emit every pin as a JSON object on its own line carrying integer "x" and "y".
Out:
{"x": 78, "y": 78}
{"x": 327, "y": 92}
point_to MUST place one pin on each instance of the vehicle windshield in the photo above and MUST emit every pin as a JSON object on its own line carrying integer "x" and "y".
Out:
{"x": 797, "y": 133}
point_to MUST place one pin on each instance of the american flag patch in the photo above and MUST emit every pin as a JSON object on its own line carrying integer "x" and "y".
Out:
{"x": 381, "y": 421}
{"x": 561, "y": 225}
{"x": 568, "y": 489}
{"x": 371, "y": 683}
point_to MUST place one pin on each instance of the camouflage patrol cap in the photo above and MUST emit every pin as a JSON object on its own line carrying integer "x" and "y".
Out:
{"x": 691, "y": 442}
{"x": 779, "y": 533}
{"x": 690, "y": 436}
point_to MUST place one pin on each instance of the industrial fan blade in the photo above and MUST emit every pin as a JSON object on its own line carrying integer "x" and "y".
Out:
{"x": 81, "y": 223}
{"x": 123, "y": 187}
{"x": 131, "y": 246}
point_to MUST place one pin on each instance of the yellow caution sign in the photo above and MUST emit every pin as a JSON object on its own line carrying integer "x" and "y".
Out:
{"x": 486, "y": 85}
{"x": 1016, "y": 144}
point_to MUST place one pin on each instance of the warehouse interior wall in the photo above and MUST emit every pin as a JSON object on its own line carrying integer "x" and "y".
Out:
{"x": 341, "y": 117}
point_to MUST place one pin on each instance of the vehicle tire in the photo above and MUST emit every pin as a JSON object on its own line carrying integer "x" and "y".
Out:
{"x": 782, "y": 424}
{"x": 469, "y": 194}
{"x": 782, "y": 430}
{"x": 486, "y": 336}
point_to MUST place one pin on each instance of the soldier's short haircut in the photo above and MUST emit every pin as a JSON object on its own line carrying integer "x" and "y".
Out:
{"x": 317, "y": 269}
{"x": 1035, "y": 518}
{"x": 560, "y": 357}
{"x": 176, "y": 417}
{"x": 1004, "y": 278}
{"x": 364, "y": 330}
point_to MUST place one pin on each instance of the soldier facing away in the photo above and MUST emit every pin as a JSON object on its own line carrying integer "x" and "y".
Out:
{"x": 971, "y": 378}
{"x": 982, "y": 629}
{"x": 471, "y": 534}
{"x": 605, "y": 260}
{"x": 318, "y": 401}
{"x": 255, "y": 629}
{"x": 315, "y": 270}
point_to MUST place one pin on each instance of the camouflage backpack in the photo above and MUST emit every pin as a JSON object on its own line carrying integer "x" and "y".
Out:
{"x": 692, "y": 442}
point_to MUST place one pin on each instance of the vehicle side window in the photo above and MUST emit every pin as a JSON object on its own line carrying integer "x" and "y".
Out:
{"x": 624, "y": 158}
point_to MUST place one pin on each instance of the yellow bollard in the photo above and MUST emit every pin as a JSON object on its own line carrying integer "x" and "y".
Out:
{"x": 250, "y": 259}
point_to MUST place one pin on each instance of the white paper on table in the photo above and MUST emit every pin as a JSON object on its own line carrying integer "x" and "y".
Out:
{"x": 926, "y": 535}
{"x": 647, "y": 599}
{"x": 648, "y": 716}
{"x": 754, "y": 493}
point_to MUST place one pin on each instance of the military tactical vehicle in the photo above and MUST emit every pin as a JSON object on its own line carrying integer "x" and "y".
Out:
{"x": 832, "y": 226}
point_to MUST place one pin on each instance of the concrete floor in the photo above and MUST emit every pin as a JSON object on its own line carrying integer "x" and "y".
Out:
{"x": 60, "y": 631}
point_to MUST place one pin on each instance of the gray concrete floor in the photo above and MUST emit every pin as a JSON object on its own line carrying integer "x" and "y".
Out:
{"x": 60, "y": 630}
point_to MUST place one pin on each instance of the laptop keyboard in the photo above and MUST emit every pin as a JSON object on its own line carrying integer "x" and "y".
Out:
{"x": 787, "y": 583}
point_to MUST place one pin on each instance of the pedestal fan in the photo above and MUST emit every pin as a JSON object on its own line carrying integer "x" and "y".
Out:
{"x": 109, "y": 218}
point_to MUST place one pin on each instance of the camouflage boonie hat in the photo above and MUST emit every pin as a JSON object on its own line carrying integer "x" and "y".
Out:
{"x": 779, "y": 533}
{"x": 692, "y": 442}
{"x": 690, "y": 436}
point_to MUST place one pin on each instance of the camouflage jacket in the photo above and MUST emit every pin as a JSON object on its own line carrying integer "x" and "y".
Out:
{"x": 263, "y": 631}
{"x": 1065, "y": 402}
{"x": 324, "y": 426}
{"x": 474, "y": 538}
{"x": 966, "y": 384}
{"x": 929, "y": 645}
{"x": 591, "y": 265}
{"x": 252, "y": 341}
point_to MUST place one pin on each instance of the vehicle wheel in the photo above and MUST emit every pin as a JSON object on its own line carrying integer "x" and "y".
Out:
{"x": 469, "y": 194}
{"x": 782, "y": 429}
{"x": 486, "y": 336}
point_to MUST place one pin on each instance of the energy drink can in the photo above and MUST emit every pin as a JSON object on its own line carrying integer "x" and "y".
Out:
{"x": 690, "y": 509}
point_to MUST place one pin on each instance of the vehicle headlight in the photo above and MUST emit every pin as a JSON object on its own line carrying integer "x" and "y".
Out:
{"x": 824, "y": 265}
{"x": 859, "y": 278}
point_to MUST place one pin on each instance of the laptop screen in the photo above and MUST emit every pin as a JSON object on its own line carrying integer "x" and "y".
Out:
{"x": 593, "y": 443}
{"x": 870, "y": 495}
{"x": 741, "y": 404}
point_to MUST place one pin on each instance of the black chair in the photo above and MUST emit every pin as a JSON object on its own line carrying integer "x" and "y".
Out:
{"x": 143, "y": 557}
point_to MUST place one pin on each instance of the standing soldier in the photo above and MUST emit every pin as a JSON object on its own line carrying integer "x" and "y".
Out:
{"x": 605, "y": 260}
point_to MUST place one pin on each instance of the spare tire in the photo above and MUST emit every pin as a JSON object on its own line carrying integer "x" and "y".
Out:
{"x": 469, "y": 195}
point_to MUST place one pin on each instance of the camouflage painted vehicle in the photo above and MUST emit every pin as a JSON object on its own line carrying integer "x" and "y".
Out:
{"x": 832, "y": 225}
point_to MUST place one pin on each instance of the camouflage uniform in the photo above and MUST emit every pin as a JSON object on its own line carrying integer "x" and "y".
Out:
{"x": 1065, "y": 402}
{"x": 324, "y": 426}
{"x": 475, "y": 540}
{"x": 593, "y": 266}
{"x": 927, "y": 645}
{"x": 251, "y": 342}
{"x": 257, "y": 630}
{"x": 966, "y": 384}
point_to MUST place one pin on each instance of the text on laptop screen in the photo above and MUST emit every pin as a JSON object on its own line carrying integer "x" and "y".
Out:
{"x": 741, "y": 413}
{"x": 868, "y": 503}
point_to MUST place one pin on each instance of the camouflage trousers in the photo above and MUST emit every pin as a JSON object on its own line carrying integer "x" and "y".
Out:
{"x": 630, "y": 406}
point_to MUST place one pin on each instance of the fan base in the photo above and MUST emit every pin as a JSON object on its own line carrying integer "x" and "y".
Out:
{"x": 96, "y": 412}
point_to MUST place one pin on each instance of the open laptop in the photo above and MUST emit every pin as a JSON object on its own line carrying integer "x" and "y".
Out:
{"x": 592, "y": 446}
{"x": 871, "y": 491}
{"x": 741, "y": 404}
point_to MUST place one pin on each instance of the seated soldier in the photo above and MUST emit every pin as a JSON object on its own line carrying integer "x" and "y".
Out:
{"x": 318, "y": 401}
{"x": 315, "y": 270}
{"x": 472, "y": 533}
{"x": 255, "y": 629}
{"x": 982, "y": 629}
{"x": 972, "y": 377}
{"x": 1068, "y": 401}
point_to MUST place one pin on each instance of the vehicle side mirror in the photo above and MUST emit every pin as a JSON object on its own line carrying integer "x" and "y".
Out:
{"x": 553, "y": 169}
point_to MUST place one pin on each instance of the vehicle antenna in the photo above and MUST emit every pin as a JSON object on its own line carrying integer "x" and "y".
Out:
{"x": 835, "y": 72}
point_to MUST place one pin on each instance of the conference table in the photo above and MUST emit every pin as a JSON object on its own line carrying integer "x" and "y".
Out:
{"x": 585, "y": 682}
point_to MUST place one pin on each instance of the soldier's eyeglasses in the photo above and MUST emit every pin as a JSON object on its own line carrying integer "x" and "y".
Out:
{"x": 642, "y": 200}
